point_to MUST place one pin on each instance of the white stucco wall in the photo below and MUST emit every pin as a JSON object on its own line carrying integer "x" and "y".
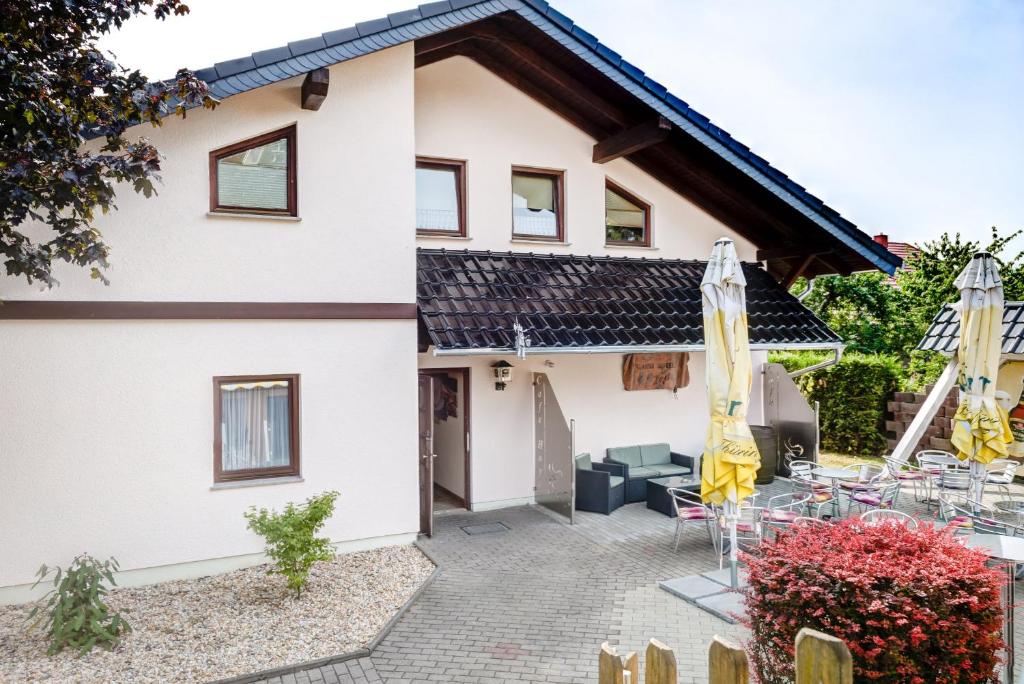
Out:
{"x": 465, "y": 112}
{"x": 355, "y": 198}
{"x": 589, "y": 390}
{"x": 107, "y": 444}
{"x": 106, "y": 426}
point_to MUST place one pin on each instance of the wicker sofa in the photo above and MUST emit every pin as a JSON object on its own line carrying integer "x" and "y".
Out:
{"x": 642, "y": 462}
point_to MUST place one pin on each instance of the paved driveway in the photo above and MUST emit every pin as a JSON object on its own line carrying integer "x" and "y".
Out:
{"x": 534, "y": 603}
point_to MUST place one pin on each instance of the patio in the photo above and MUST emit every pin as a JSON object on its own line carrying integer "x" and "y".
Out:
{"x": 535, "y": 601}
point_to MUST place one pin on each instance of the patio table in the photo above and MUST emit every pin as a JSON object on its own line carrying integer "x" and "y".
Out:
{"x": 658, "y": 498}
{"x": 1012, "y": 506}
{"x": 837, "y": 475}
{"x": 1009, "y": 549}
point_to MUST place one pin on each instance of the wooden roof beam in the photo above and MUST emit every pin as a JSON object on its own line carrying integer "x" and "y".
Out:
{"x": 791, "y": 252}
{"x": 632, "y": 140}
{"x": 314, "y": 88}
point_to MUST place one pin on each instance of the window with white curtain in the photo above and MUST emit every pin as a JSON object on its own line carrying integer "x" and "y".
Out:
{"x": 256, "y": 424}
{"x": 537, "y": 211}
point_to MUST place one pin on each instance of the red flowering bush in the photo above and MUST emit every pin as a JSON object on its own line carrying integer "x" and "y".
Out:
{"x": 913, "y": 606}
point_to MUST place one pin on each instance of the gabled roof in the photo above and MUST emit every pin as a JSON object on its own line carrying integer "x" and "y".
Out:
{"x": 855, "y": 249}
{"x": 469, "y": 302}
{"x": 944, "y": 333}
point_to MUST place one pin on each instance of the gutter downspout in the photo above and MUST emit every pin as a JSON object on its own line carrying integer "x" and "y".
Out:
{"x": 810, "y": 286}
{"x": 818, "y": 366}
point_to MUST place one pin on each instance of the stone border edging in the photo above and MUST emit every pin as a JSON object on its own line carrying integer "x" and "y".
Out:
{"x": 358, "y": 653}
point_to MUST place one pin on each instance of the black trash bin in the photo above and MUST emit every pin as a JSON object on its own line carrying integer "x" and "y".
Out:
{"x": 768, "y": 445}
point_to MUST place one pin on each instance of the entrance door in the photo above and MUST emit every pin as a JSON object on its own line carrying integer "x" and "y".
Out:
{"x": 426, "y": 455}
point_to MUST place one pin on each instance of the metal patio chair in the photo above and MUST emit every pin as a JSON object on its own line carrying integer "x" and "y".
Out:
{"x": 691, "y": 511}
{"x": 819, "y": 494}
{"x": 783, "y": 509}
{"x": 881, "y": 494}
{"x": 908, "y": 473}
{"x": 1001, "y": 473}
{"x": 881, "y": 515}
{"x": 965, "y": 516}
{"x": 749, "y": 529}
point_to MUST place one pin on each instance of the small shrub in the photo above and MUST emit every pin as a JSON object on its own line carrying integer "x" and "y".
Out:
{"x": 913, "y": 606}
{"x": 852, "y": 396}
{"x": 291, "y": 537}
{"x": 74, "y": 613}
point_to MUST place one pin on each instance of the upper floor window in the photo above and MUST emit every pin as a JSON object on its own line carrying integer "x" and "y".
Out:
{"x": 256, "y": 175}
{"x": 627, "y": 219}
{"x": 256, "y": 426}
{"x": 538, "y": 204}
{"x": 440, "y": 197}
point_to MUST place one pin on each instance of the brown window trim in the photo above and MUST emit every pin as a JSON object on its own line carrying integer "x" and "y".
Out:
{"x": 559, "y": 177}
{"x": 287, "y": 132}
{"x": 459, "y": 165}
{"x": 618, "y": 189}
{"x": 292, "y": 469}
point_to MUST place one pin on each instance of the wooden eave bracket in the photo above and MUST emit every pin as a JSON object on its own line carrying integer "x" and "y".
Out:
{"x": 314, "y": 88}
{"x": 632, "y": 140}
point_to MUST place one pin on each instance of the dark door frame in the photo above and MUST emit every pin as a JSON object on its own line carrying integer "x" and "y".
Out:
{"x": 467, "y": 435}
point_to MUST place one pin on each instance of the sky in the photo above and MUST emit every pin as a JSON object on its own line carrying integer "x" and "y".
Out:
{"x": 906, "y": 116}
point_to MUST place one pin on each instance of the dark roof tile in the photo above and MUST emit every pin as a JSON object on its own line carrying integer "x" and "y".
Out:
{"x": 470, "y": 300}
{"x": 340, "y": 36}
{"x": 944, "y": 333}
{"x": 301, "y": 47}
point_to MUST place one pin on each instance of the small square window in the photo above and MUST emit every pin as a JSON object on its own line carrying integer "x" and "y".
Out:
{"x": 255, "y": 176}
{"x": 537, "y": 204}
{"x": 256, "y": 424}
{"x": 627, "y": 219}
{"x": 440, "y": 197}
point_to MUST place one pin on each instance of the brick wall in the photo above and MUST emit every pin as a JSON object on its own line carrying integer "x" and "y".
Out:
{"x": 905, "y": 405}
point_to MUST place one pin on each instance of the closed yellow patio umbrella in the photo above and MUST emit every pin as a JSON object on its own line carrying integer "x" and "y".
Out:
{"x": 731, "y": 458}
{"x": 981, "y": 430}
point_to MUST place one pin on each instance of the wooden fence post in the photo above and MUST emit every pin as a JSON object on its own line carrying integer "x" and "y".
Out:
{"x": 611, "y": 666}
{"x": 727, "y": 664}
{"x": 660, "y": 667}
{"x": 822, "y": 659}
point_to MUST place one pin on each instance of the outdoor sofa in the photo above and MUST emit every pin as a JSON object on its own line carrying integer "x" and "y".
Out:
{"x": 600, "y": 487}
{"x": 642, "y": 462}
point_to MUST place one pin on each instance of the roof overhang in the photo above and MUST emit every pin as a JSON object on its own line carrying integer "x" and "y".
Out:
{"x": 943, "y": 335}
{"x": 487, "y": 303}
{"x": 542, "y": 52}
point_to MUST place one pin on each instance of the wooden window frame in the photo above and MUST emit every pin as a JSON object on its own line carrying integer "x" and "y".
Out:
{"x": 288, "y": 133}
{"x": 290, "y": 470}
{"x": 459, "y": 166}
{"x": 609, "y": 184}
{"x": 558, "y": 176}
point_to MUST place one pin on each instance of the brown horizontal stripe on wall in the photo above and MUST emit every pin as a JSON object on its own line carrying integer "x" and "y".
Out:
{"x": 114, "y": 310}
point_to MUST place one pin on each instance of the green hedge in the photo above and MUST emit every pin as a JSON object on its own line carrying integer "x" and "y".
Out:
{"x": 852, "y": 396}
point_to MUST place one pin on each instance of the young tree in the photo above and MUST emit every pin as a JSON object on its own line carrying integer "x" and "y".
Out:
{"x": 57, "y": 90}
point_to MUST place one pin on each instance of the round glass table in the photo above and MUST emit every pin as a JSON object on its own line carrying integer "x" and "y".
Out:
{"x": 837, "y": 475}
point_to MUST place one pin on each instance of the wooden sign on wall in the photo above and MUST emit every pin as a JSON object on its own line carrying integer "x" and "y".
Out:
{"x": 668, "y": 370}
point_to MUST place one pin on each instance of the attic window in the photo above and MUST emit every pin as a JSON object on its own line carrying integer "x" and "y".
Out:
{"x": 627, "y": 219}
{"x": 255, "y": 176}
{"x": 538, "y": 204}
{"x": 440, "y": 197}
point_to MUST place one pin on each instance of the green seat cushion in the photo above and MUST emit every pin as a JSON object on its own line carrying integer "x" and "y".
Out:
{"x": 671, "y": 470}
{"x": 615, "y": 480}
{"x": 629, "y": 455}
{"x": 583, "y": 462}
{"x": 655, "y": 454}
{"x": 641, "y": 473}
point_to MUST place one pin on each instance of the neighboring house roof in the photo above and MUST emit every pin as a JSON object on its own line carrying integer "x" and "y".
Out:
{"x": 470, "y": 301}
{"x": 733, "y": 164}
{"x": 944, "y": 333}
{"x": 904, "y": 250}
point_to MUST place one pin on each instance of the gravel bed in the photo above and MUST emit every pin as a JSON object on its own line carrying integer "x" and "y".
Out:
{"x": 226, "y": 625}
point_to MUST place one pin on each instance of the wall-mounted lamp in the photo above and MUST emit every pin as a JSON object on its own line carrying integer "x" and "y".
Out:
{"x": 502, "y": 374}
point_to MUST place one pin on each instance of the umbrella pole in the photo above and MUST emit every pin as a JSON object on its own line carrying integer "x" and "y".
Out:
{"x": 732, "y": 517}
{"x": 978, "y": 477}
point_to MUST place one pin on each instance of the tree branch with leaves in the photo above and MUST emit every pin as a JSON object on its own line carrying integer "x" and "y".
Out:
{"x": 57, "y": 91}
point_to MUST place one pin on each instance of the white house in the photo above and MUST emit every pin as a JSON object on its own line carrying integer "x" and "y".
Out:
{"x": 269, "y": 312}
